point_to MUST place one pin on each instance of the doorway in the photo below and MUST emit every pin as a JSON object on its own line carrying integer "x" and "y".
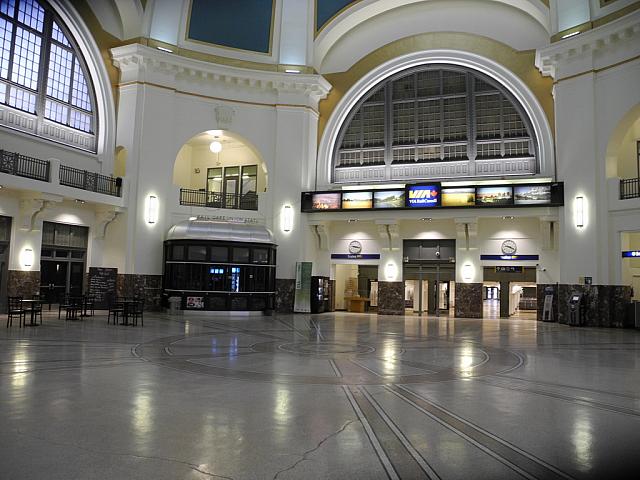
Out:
{"x": 509, "y": 291}
{"x": 62, "y": 260}
{"x": 5, "y": 235}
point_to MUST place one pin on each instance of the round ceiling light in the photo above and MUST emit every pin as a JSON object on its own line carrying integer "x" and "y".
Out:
{"x": 215, "y": 147}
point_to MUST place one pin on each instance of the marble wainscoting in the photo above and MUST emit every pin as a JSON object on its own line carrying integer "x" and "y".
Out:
{"x": 285, "y": 294}
{"x": 148, "y": 287}
{"x": 540, "y": 294}
{"x": 468, "y": 300}
{"x": 391, "y": 298}
{"x": 22, "y": 283}
{"x": 605, "y": 305}
{"x": 332, "y": 296}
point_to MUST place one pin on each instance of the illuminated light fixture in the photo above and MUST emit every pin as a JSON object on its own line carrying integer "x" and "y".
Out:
{"x": 426, "y": 219}
{"x": 215, "y": 147}
{"x": 391, "y": 271}
{"x": 352, "y": 220}
{"x": 579, "y": 212}
{"x": 507, "y": 217}
{"x": 572, "y": 34}
{"x": 287, "y": 218}
{"x": 292, "y": 70}
{"x": 82, "y": 202}
{"x": 152, "y": 209}
{"x": 165, "y": 49}
{"x": 193, "y": 218}
{"x": 467, "y": 273}
{"x": 27, "y": 257}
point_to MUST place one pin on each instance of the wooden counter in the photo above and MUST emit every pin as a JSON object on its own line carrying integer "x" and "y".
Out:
{"x": 356, "y": 304}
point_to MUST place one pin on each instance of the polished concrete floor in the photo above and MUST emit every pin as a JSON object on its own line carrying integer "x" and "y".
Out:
{"x": 341, "y": 396}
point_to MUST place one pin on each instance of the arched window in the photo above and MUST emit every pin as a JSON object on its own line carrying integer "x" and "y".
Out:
{"x": 43, "y": 74}
{"x": 435, "y": 122}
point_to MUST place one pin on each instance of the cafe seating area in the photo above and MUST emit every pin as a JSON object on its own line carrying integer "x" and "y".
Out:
{"x": 26, "y": 312}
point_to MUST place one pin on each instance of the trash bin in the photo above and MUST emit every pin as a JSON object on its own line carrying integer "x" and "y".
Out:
{"x": 174, "y": 305}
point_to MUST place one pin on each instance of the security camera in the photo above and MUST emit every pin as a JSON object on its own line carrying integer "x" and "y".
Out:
{"x": 438, "y": 254}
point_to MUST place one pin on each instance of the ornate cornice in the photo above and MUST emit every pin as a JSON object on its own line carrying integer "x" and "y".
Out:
{"x": 138, "y": 63}
{"x": 575, "y": 55}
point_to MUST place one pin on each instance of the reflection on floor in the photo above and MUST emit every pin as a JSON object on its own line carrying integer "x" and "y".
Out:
{"x": 491, "y": 309}
{"x": 338, "y": 395}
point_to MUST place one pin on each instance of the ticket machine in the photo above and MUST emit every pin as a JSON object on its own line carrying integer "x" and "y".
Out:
{"x": 576, "y": 309}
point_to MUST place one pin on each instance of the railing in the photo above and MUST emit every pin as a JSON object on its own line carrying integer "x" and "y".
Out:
{"x": 91, "y": 181}
{"x": 202, "y": 198}
{"x": 23, "y": 166}
{"x": 629, "y": 188}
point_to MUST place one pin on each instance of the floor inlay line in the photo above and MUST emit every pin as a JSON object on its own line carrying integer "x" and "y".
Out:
{"x": 517, "y": 459}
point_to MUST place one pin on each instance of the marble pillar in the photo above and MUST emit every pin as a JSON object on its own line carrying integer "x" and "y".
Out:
{"x": 604, "y": 305}
{"x": 22, "y": 283}
{"x": 285, "y": 294}
{"x": 391, "y": 298}
{"x": 148, "y": 287}
{"x": 468, "y": 300}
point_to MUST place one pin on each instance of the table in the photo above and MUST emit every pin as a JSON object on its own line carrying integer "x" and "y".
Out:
{"x": 32, "y": 309}
{"x": 356, "y": 304}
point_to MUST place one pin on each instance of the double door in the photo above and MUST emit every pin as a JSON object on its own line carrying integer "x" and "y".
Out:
{"x": 430, "y": 284}
{"x": 58, "y": 277}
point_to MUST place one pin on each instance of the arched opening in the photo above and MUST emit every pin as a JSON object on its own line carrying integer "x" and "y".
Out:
{"x": 623, "y": 152}
{"x": 222, "y": 169}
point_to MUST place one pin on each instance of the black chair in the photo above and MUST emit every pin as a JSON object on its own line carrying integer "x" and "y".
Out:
{"x": 74, "y": 308}
{"x": 65, "y": 302}
{"x": 89, "y": 305}
{"x": 116, "y": 307}
{"x": 36, "y": 308}
{"x": 137, "y": 311}
{"x": 15, "y": 310}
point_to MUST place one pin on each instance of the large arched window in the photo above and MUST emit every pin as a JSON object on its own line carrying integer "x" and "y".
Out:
{"x": 435, "y": 122}
{"x": 43, "y": 75}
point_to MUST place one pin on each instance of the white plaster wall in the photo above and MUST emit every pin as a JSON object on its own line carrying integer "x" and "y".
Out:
{"x": 628, "y": 153}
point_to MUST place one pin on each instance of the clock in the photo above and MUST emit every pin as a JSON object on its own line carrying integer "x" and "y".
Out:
{"x": 509, "y": 247}
{"x": 355, "y": 247}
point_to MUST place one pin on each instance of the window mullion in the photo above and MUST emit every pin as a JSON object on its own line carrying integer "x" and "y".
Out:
{"x": 74, "y": 59}
{"x": 45, "y": 48}
{"x": 12, "y": 51}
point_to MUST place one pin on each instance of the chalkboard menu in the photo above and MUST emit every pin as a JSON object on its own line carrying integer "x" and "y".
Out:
{"x": 102, "y": 285}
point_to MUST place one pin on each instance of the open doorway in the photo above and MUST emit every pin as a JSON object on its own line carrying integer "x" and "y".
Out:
{"x": 356, "y": 287}
{"x": 509, "y": 291}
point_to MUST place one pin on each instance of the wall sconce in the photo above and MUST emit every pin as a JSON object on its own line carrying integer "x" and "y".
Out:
{"x": 579, "y": 212}
{"x": 391, "y": 271}
{"x": 467, "y": 273}
{"x": 287, "y": 218}
{"x": 27, "y": 257}
{"x": 152, "y": 209}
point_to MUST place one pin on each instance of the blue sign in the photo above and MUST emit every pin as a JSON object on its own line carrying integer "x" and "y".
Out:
{"x": 355, "y": 256}
{"x": 631, "y": 254}
{"x": 509, "y": 257}
{"x": 420, "y": 196}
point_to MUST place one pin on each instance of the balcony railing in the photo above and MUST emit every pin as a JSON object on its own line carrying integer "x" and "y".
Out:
{"x": 202, "y": 198}
{"x": 91, "y": 181}
{"x": 629, "y": 188}
{"x": 23, "y": 166}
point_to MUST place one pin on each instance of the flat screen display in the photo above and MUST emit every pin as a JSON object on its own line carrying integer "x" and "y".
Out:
{"x": 326, "y": 201}
{"x": 421, "y": 196}
{"x": 494, "y": 196}
{"x": 532, "y": 194}
{"x": 388, "y": 199}
{"x": 351, "y": 200}
{"x": 458, "y": 197}
{"x": 575, "y": 298}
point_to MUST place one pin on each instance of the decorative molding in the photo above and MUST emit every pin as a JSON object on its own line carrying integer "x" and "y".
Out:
{"x": 623, "y": 31}
{"x": 102, "y": 221}
{"x": 224, "y": 116}
{"x": 138, "y": 63}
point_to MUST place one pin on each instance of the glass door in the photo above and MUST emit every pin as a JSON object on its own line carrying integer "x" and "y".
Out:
{"x": 443, "y": 295}
{"x": 53, "y": 280}
{"x": 4, "y": 255}
{"x": 231, "y": 186}
{"x": 214, "y": 187}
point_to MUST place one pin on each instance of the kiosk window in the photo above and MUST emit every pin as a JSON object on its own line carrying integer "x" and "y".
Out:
{"x": 219, "y": 254}
{"x": 177, "y": 252}
{"x": 197, "y": 252}
{"x": 241, "y": 255}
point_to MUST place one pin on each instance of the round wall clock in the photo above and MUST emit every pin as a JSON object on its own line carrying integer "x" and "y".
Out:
{"x": 355, "y": 247}
{"x": 509, "y": 247}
